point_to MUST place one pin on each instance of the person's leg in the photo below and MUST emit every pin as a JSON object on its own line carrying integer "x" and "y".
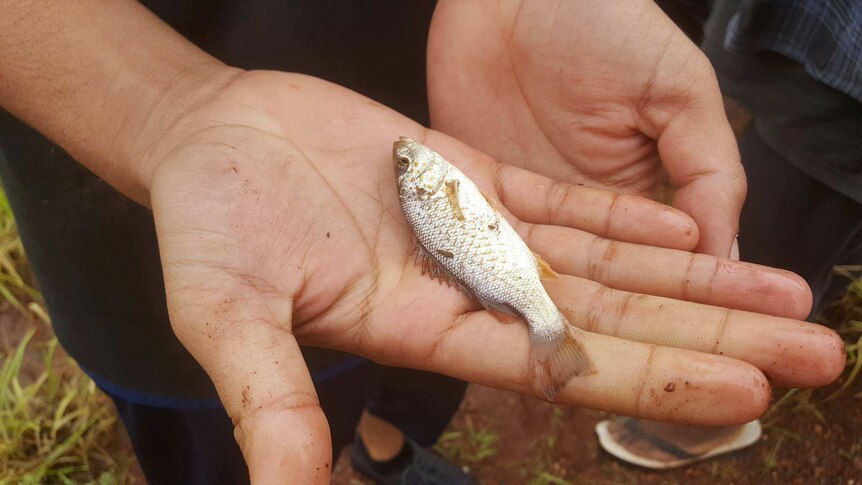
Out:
{"x": 420, "y": 404}
{"x": 408, "y": 413}
{"x": 192, "y": 442}
{"x": 390, "y": 415}
{"x": 382, "y": 439}
{"x": 183, "y": 446}
{"x": 344, "y": 390}
{"x": 794, "y": 222}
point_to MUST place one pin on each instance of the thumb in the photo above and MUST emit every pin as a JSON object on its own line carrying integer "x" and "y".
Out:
{"x": 243, "y": 341}
{"x": 700, "y": 154}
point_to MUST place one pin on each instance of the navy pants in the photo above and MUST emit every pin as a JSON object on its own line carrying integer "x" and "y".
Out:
{"x": 792, "y": 221}
{"x": 194, "y": 444}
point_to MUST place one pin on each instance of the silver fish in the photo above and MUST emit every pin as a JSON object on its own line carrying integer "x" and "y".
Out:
{"x": 463, "y": 240}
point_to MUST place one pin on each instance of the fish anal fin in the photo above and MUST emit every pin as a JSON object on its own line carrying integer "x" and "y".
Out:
{"x": 452, "y": 194}
{"x": 545, "y": 270}
{"x": 557, "y": 360}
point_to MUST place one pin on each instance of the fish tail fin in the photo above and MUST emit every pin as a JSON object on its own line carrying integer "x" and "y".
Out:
{"x": 557, "y": 359}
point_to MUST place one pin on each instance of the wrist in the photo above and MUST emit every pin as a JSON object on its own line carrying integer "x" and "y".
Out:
{"x": 101, "y": 79}
{"x": 144, "y": 137}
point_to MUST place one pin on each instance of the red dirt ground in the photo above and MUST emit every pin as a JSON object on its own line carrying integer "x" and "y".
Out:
{"x": 536, "y": 437}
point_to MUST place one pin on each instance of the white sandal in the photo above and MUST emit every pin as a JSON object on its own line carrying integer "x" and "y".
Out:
{"x": 613, "y": 433}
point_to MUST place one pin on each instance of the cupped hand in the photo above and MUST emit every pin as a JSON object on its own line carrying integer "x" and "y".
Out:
{"x": 608, "y": 94}
{"x": 278, "y": 225}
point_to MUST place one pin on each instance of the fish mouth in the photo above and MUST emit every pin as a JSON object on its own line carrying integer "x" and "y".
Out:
{"x": 403, "y": 141}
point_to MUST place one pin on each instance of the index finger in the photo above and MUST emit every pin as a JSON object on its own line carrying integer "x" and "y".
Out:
{"x": 538, "y": 199}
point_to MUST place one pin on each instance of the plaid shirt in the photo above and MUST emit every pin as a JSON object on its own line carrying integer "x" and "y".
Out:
{"x": 825, "y": 36}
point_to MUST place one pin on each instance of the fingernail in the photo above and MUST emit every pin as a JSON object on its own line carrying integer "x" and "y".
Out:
{"x": 734, "y": 249}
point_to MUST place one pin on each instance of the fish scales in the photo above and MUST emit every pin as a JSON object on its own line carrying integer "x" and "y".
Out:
{"x": 478, "y": 260}
{"x": 472, "y": 246}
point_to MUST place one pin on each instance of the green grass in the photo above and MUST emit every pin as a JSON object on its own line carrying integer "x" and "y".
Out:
{"x": 545, "y": 478}
{"x": 723, "y": 473}
{"x": 847, "y": 312}
{"x": 468, "y": 446}
{"x": 771, "y": 461}
{"x": 55, "y": 425}
{"x": 14, "y": 271}
{"x": 844, "y": 315}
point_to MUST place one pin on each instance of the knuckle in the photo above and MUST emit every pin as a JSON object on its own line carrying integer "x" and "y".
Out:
{"x": 597, "y": 249}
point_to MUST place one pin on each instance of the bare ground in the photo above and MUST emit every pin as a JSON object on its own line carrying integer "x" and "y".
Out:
{"x": 543, "y": 443}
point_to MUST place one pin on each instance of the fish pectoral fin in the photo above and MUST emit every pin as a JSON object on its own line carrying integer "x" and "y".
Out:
{"x": 428, "y": 264}
{"x": 545, "y": 270}
{"x": 432, "y": 267}
{"x": 452, "y": 194}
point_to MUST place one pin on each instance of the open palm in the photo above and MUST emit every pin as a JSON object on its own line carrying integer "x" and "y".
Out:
{"x": 278, "y": 224}
{"x": 608, "y": 94}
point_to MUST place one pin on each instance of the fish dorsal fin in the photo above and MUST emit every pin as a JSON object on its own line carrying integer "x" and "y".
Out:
{"x": 452, "y": 194}
{"x": 545, "y": 270}
{"x": 433, "y": 268}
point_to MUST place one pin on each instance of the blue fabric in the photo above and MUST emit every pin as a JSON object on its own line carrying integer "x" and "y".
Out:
{"x": 825, "y": 36}
{"x": 183, "y": 446}
{"x": 169, "y": 402}
{"x": 150, "y": 399}
{"x": 196, "y": 446}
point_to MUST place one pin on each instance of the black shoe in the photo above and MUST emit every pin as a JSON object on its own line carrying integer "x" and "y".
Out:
{"x": 413, "y": 465}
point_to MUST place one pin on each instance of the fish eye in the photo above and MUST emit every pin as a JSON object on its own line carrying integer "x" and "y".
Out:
{"x": 403, "y": 162}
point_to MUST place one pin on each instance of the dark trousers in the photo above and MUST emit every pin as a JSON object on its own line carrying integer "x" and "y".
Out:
{"x": 792, "y": 221}
{"x": 801, "y": 214}
{"x": 196, "y": 446}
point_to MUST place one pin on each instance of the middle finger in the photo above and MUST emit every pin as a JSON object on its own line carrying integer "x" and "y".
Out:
{"x": 670, "y": 272}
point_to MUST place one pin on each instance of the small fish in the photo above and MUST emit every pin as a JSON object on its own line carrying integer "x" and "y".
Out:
{"x": 464, "y": 241}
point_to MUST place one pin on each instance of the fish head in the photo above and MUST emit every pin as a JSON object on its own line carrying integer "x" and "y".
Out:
{"x": 418, "y": 169}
